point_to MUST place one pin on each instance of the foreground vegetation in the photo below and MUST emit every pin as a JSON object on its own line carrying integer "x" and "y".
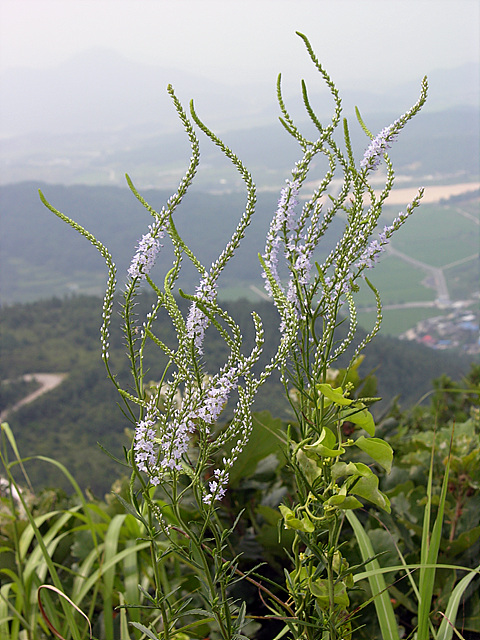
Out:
{"x": 215, "y": 507}
{"x": 99, "y": 555}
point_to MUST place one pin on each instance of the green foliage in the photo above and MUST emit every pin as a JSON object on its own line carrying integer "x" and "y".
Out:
{"x": 433, "y": 438}
{"x": 208, "y": 501}
{"x": 257, "y": 488}
{"x": 85, "y": 547}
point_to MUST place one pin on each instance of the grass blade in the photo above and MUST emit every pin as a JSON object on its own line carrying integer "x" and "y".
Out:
{"x": 381, "y": 597}
{"x": 45, "y": 553}
{"x": 445, "y": 630}
{"x": 429, "y": 554}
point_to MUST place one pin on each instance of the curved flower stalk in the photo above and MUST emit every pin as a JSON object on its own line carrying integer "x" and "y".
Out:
{"x": 180, "y": 459}
{"x": 318, "y": 291}
{"x": 331, "y": 480}
{"x": 176, "y": 437}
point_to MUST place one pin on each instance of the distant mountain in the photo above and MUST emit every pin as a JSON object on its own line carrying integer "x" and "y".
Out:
{"x": 92, "y": 118}
{"x": 441, "y": 143}
{"x": 458, "y": 87}
{"x": 100, "y": 90}
{"x": 447, "y": 89}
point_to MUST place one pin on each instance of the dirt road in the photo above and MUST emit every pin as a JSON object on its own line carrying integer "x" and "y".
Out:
{"x": 48, "y": 381}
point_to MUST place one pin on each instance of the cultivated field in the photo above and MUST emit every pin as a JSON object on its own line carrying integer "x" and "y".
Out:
{"x": 433, "y": 193}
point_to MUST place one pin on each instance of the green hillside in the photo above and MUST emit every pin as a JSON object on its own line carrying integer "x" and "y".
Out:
{"x": 42, "y": 257}
{"x": 63, "y": 336}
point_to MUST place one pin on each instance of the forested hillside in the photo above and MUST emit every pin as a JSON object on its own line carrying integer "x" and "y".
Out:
{"x": 42, "y": 256}
{"x": 58, "y": 335}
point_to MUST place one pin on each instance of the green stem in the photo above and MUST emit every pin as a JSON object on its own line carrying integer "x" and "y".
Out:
{"x": 200, "y": 554}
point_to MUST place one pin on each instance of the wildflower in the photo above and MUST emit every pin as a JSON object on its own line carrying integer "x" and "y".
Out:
{"x": 283, "y": 221}
{"x": 217, "y": 486}
{"x": 388, "y": 231}
{"x": 303, "y": 266}
{"x": 197, "y": 321}
{"x": 216, "y": 397}
{"x": 286, "y": 205}
{"x": 174, "y": 441}
{"x": 371, "y": 254}
{"x": 142, "y": 262}
{"x": 145, "y": 451}
{"x": 378, "y": 146}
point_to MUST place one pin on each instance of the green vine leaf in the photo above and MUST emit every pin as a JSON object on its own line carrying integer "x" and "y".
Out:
{"x": 334, "y": 396}
{"x": 343, "y": 501}
{"x": 292, "y": 522}
{"x": 377, "y": 449}
{"x": 309, "y": 467}
{"x": 319, "y": 589}
{"x": 366, "y": 487}
{"x": 360, "y": 415}
{"x": 325, "y": 446}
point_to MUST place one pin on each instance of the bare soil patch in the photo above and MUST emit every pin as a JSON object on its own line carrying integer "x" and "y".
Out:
{"x": 433, "y": 193}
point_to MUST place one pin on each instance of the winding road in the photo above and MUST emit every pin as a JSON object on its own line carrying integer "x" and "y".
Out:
{"x": 48, "y": 381}
{"x": 440, "y": 283}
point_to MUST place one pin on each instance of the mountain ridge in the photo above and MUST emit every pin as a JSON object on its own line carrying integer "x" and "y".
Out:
{"x": 105, "y": 88}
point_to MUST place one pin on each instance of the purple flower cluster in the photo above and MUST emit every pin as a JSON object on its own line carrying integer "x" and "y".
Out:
{"x": 217, "y": 486}
{"x": 378, "y": 146}
{"x": 154, "y": 454}
{"x": 144, "y": 446}
{"x": 403, "y": 215}
{"x": 334, "y": 287}
{"x": 372, "y": 253}
{"x": 173, "y": 442}
{"x": 287, "y": 230}
{"x": 197, "y": 321}
{"x": 147, "y": 249}
{"x": 283, "y": 222}
{"x": 206, "y": 405}
{"x": 216, "y": 396}
{"x": 303, "y": 266}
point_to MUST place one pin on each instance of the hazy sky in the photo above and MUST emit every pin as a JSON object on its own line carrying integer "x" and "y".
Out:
{"x": 248, "y": 39}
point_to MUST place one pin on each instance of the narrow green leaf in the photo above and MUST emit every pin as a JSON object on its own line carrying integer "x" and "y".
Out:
{"x": 381, "y": 597}
{"x": 144, "y": 630}
{"x": 111, "y": 547}
{"x": 445, "y": 630}
{"x": 45, "y": 553}
{"x": 429, "y": 554}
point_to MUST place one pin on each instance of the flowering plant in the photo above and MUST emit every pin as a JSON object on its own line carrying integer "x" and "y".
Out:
{"x": 329, "y": 481}
{"x": 181, "y": 460}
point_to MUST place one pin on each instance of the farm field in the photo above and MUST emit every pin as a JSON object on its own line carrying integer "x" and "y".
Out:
{"x": 433, "y": 192}
{"x": 441, "y": 240}
{"x": 397, "y": 281}
{"x": 397, "y": 321}
{"x": 438, "y": 235}
{"x": 443, "y": 235}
